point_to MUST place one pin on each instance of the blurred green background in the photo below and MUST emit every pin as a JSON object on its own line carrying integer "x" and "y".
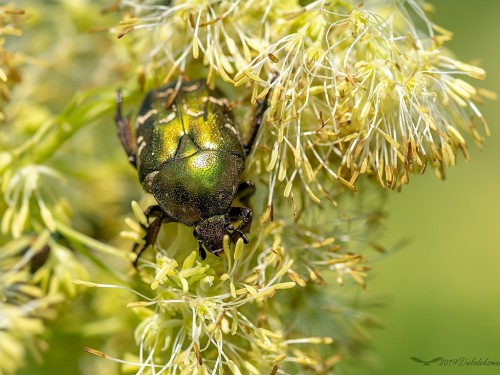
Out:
{"x": 442, "y": 288}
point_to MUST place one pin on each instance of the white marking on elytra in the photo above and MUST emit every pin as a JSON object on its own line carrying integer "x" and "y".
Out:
{"x": 141, "y": 144}
{"x": 171, "y": 116}
{"x": 191, "y": 88}
{"x": 222, "y": 101}
{"x": 142, "y": 119}
{"x": 141, "y": 147}
{"x": 164, "y": 94}
{"x": 148, "y": 181}
{"x": 231, "y": 127}
{"x": 192, "y": 113}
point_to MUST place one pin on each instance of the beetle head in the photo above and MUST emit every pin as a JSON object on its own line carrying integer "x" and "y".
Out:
{"x": 210, "y": 234}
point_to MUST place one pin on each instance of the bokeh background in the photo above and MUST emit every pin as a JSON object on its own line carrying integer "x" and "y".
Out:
{"x": 441, "y": 288}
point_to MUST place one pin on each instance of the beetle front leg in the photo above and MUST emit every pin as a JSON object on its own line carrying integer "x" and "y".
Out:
{"x": 153, "y": 211}
{"x": 258, "y": 117}
{"x": 125, "y": 132}
{"x": 201, "y": 251}
{"x": 243, "y": 214}
{"x": 151, "y": 231}
{"x": 245, "y": 191}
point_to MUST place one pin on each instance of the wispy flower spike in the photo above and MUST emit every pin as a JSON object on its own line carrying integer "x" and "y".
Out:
{"x": 360, "y": 89}
{"x": 355, "y": 91}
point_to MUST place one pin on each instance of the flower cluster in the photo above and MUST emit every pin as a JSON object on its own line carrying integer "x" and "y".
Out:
{"x": 359, "y": 88}
{"x": 232, "y": 313}
{"x": 36, "y": 275}
{"x": 40, "y": 254}
{"x": 353, "y": 89}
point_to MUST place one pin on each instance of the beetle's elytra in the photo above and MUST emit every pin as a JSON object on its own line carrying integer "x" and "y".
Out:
{"x": 189, "y": 155}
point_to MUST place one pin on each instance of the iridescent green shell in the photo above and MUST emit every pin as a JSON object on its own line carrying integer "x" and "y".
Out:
{"x": 189, "y": 153}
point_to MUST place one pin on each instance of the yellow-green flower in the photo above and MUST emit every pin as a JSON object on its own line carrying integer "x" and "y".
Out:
{"x": 355, "y": 89}
{"x": 359, "y": 88}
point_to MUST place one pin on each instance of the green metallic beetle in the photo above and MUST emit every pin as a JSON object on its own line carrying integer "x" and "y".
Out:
{"x": 189, "y": 155}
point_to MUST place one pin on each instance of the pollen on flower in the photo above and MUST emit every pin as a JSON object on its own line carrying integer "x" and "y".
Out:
{"x": 358, "y": 89}
{"x": 32, "y": 188}
{"x": 354, "y": 89}
{"x": 208, "y": 312}
{"x": 200, "y": 319}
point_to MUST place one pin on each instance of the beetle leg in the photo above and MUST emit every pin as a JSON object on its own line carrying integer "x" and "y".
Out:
{"x": 125, "y": 131}
{"x": 153, "y": 211}
{"x": 245, "y": 191}
{"x": 151, "y": 234}
{"x": 258, "y": 117}
{"x": 201, "y": 251}
{"x": 245, "y": 215}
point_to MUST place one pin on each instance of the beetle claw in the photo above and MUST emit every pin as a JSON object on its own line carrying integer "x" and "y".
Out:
{"x": 149, "y": 238}
{"x": 201, "y": 251}
{"x": 241, "y": 235}
{"x": 138, "y": 254}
